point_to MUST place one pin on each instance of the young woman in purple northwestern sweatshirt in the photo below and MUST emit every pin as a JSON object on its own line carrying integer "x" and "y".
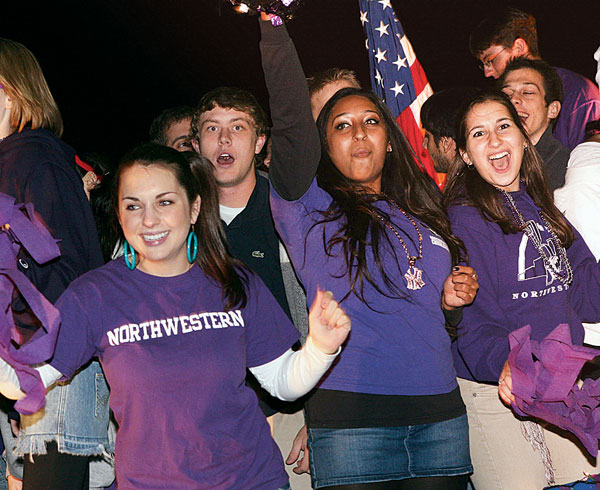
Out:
{"x": 175, "y": 323}
{"x": 363, "y": 221}
{"x": 534, "y": 269}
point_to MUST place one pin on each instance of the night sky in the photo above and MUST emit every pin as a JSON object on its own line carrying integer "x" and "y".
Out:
{"x": 112, "y": 65}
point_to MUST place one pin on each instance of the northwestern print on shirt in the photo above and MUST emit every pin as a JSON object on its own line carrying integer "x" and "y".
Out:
{"x": 134, "y": 332}
{"x": 175, "y": 359}
{"x": 518, "y": 287}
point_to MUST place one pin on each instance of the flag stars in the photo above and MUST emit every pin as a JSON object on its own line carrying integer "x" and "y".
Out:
{"x": 398, "y": 89}
{"x": 400, "y": 62}
{"x": 385, "y": 4}
{"x": 382, "y": 29}
{"x": 363, "y": 18}
{"x": 381, "y": 55}
{"x": 379, "y": 78}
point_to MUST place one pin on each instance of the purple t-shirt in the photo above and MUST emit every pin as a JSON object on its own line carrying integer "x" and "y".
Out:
{"x": 580, "y": 105}
{"x": 175, "y": 361}
{"x": 516, "y": 289}
{"x": 400, "y": 346}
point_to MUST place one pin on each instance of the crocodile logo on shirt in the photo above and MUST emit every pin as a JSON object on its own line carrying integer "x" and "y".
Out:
{"x": 257, "y": 254}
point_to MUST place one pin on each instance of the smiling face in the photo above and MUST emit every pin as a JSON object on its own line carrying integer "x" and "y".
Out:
{"x": 525, "y": 88}
{"x": 228, "y": 139}
{"x": 357, "y": 141}
{"x": 494, "y": 144}
{"x": 155, "y": 214}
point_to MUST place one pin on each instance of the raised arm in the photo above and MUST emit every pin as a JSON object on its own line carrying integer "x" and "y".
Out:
{"x": 294, "y": 374}
{"x": 296, "y": 144}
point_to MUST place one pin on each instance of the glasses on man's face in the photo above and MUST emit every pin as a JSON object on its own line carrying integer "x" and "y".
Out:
{"x": 489, "y": 63}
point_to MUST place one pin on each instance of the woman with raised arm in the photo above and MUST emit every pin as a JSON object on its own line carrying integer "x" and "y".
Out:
{"x": 175, "y": 323}
{"x": 534, "y": 269}
{"x": 363, "y": 221}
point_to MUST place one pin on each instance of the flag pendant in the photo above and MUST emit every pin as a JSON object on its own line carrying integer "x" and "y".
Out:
{"x": 414, "y": 278}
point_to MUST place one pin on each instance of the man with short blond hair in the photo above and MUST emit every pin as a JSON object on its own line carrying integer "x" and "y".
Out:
{"x": 322, "y": 85}
{"x": 229, "y": 128}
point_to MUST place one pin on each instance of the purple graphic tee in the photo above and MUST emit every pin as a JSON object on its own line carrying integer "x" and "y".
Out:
{"x": 398, "y": 346}
{"x": 175, "y": 361}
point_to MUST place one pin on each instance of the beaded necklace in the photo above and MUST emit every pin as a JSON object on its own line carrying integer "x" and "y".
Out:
{"x": 414, "y": 275}
{"x": 558, "y": 265}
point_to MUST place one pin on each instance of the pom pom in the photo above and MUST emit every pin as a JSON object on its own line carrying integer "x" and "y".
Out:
{"x": 285, "y": 9}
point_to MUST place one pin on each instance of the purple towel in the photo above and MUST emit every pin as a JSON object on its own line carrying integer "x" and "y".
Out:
{"x": 19, "y": 228}
{"x": 544, "y": 376}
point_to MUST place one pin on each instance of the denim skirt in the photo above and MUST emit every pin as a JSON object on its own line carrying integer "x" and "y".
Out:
{"x": 376, "y": 454}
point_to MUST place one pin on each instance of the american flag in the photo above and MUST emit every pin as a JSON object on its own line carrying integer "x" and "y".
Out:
{"x": 396, "y": 74}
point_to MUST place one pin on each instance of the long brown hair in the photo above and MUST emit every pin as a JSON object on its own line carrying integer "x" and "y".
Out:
{"x": 353, "y": 206}
{"x": 467, "y": 187}
{"x": 22, "y": 79}
{"x": 196, "y": 175}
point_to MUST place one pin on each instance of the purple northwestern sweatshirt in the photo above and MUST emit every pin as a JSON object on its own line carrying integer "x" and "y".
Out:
{"x": 516, "y": 289}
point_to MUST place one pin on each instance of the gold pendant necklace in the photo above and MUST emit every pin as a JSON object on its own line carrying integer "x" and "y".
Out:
{"x": 414, "y": 275}
{"x": 558, "y": 264}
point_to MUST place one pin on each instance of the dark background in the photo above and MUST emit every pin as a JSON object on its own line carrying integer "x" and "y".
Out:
{"x": 112, "y": 65}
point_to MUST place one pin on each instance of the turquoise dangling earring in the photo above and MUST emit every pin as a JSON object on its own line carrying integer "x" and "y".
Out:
{"x": 129, "y": 254}
{"x": 192, "y": 246}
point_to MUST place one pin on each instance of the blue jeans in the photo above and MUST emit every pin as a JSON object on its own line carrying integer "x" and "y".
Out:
{"x": 376, "y": 454}
{"x": 75, "y": 416}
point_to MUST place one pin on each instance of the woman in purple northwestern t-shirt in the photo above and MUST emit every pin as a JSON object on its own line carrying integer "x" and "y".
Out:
{"x": 176, "y": 322}
{"x": 534, "y": 269}
{"x": 364, "y": 222}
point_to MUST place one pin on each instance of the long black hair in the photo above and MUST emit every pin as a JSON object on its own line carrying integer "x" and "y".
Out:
{"x": 402, "y": 182}
{"x": 195, "y": 174}
{"x": 467, "y": 187}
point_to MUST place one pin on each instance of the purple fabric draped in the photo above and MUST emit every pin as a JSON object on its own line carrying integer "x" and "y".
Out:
{"x": 20, "y": 229}
{"x": 544, "y": 383}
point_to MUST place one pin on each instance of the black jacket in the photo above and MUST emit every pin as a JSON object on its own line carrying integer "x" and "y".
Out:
{"x": 555, "y": 157}
{"x": 253, "y": 240}
{"x": 37, "y": 167}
